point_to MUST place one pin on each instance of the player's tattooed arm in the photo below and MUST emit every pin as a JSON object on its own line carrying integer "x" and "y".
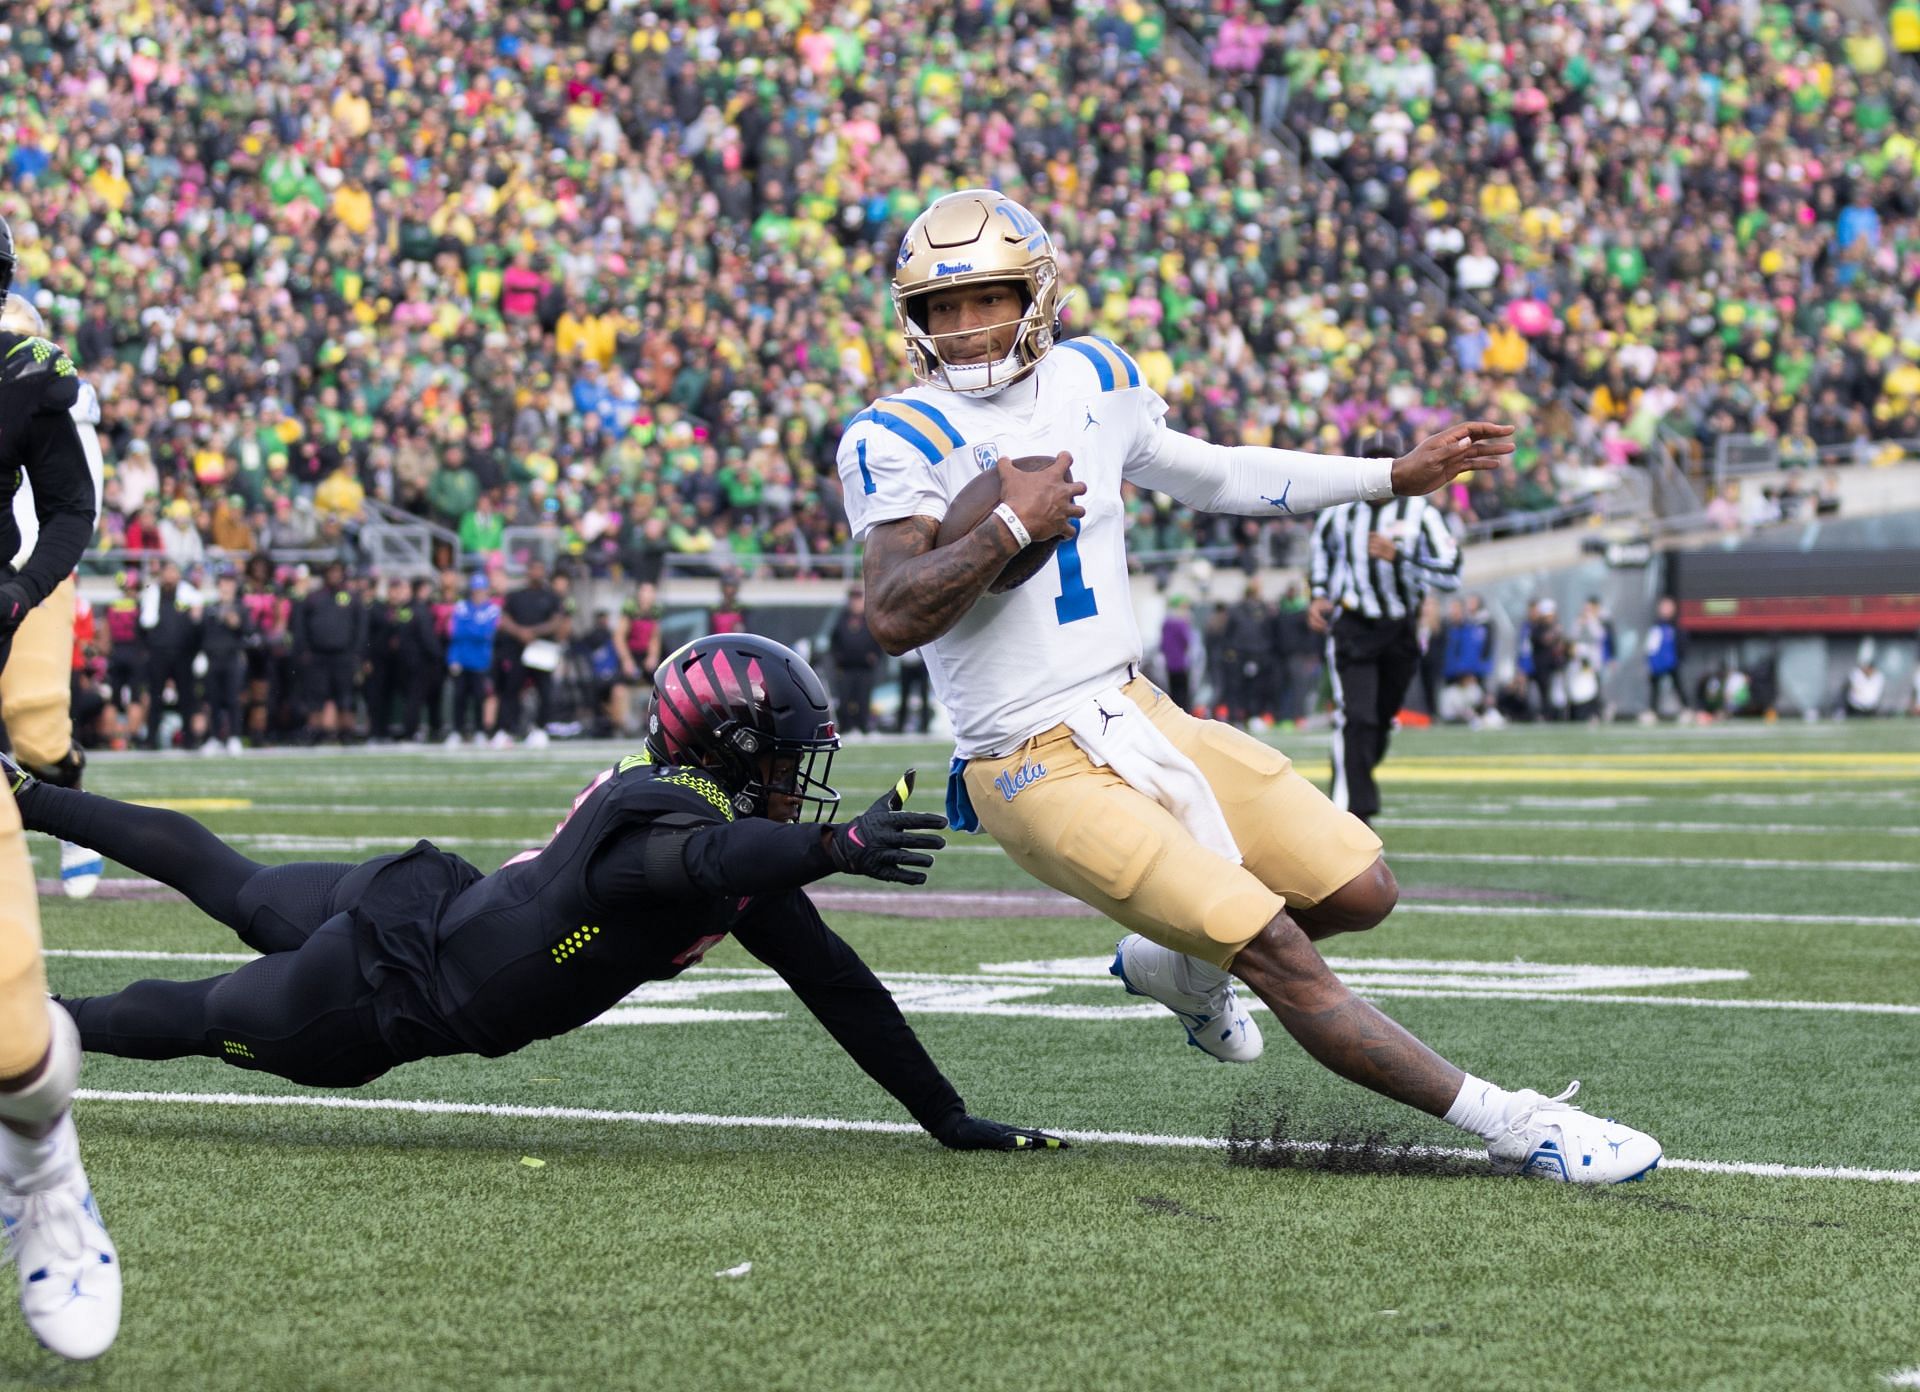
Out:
{"x": 915, "y": 591}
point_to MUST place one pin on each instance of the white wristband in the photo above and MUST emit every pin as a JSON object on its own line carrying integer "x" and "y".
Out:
{"x": 1007, "y": 515}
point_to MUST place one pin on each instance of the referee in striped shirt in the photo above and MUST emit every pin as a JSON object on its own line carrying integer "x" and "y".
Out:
{"x": 1372, "y": 565}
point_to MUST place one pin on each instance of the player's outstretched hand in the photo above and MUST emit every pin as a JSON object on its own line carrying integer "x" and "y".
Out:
{"x": 1442, "y": 458}
{"x": 886, "y": 843}
{"x": 966, "y": 1132}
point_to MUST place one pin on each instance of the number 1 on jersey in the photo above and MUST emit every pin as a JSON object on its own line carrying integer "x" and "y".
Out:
{"x": 1075, "y": 600}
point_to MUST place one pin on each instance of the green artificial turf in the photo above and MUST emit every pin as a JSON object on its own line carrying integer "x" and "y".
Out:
{"x": 288, "y": 1247}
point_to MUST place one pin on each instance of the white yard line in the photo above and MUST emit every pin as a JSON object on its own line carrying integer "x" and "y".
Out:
{"x": 1475, "y": 823}
{"x": 887, "y": 1128}
{"x": 1658, "y": 915}
{"x": 1010, "y": 993}
{"x": 1902, "y": 867}
{"x": 1906, "y": 1377}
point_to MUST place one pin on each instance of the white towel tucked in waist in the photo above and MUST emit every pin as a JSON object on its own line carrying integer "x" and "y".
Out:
{"x": 1116, "y": 733}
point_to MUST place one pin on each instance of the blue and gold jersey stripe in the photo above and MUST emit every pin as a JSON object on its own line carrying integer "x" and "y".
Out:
{"x": 1113, "y": 367}
{"x": 921, "y": 425}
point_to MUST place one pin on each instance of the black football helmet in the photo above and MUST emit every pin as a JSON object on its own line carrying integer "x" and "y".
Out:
{"x": 6, "y": 258}
{"x": 726, "y": 701}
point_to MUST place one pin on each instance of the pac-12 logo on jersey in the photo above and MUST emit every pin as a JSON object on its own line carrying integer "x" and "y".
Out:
{"x": 1016, "y": 781}
{"x": 986, "y": 456}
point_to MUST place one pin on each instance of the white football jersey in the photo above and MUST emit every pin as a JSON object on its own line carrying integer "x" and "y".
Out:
{"x": 1016, "y": 663}
{"x": 86, "y": 416}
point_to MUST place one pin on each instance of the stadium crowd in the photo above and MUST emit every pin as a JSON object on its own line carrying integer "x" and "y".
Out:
{"x": 620, "y": 269}
{"x": 1698, "y": 214}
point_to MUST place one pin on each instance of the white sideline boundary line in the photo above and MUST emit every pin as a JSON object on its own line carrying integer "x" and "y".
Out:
{"x": 887, "y": 1128}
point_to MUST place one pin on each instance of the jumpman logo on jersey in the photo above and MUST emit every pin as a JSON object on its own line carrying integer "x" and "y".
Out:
{"x": 1281, "y": 501}
{"x": 1091, "y": 422}
{"x": 1106, "y": 716}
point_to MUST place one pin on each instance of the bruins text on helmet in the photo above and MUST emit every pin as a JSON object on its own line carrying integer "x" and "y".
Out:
{"x": 973, "y": 237}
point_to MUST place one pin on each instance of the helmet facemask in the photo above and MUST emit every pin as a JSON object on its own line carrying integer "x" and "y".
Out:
{"x": 1034, "y": 334}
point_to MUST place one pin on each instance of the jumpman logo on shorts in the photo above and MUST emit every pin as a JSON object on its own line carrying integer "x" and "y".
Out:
{"x": 1091, "y": 422}
{"x": 1106, "y": 716}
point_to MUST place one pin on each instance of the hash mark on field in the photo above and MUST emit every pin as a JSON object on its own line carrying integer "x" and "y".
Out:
{"x": 1757, "y": 1169}
{"x": 1906, "y": 1377}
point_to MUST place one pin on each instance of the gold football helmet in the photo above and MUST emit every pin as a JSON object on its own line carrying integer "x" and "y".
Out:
{"x": 973, "y": 237}
{"x": 22, "y": 318}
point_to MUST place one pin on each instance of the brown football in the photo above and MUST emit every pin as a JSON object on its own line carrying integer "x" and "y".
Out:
{"x": 972, "y": 504}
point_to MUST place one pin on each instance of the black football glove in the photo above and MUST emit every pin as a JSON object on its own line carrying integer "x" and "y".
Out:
{"x": 884, "y": 842}
{"x": 14, "y": 607}
{"x": 964, "y": 1132}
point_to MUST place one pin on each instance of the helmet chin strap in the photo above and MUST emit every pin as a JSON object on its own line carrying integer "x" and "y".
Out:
{"x": 982, "y": 379}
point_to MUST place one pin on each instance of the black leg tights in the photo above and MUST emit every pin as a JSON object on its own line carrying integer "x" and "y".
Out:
{"x": 305, "y": 1015}
{"x": 274, "y": 908}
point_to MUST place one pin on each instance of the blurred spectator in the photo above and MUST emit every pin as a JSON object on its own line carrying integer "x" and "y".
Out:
{"x": 474, "y": 622}
{"x": 857, "y": 656}
{"x": 1247, "y": 641}
{"x": 1177, "y": 643}
{"x": 1548, "y": 653}
{"x": 527, "y": 653}
{"x": 728, "y": 616}
{"x": 329, "y": 630}
{"x": 170, "y": 624}
{"x": 1866, "y": 689}
{"x": 1468, "y": 666}
{"x": 226, "y": 632}
{"x": 420, "y": 654}
{"x": 1664, "y": 653}
{"x": 916, "y": 693}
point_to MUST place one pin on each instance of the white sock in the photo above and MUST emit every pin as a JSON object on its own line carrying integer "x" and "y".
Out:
{"x": 1481, "y": 1108}
{"x": 1204, "y": 977}
{"x": 28, "y": 1163}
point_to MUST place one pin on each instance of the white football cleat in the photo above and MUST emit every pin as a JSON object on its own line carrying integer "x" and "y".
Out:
{"x": 537, "y": 738}
{"x": 1549, "y": 1139}
{"x": 501, "y": 740}
{"x": 80, "y": 870}
{"x": 1214, "y": 1020}
{"x": 69, "y": 1269}
{"x": 234, "y": 746}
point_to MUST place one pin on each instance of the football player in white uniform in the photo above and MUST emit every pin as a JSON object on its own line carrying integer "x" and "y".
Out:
{"x": 36, "y": 687}
{"x": 1223, "y": 861}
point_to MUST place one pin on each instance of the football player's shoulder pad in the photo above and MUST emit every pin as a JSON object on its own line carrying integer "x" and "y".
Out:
{"x": 911, "y": 423}
{"x": 673, "y": 790}
{"x": 37, "y": 373}
{"x": 1098, "y": 362}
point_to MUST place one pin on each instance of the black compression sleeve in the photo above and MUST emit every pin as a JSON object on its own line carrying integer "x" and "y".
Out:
{"x": 845, "y": 996}
{"x": 747, "y": 857}
{"x": 62, "y": 500}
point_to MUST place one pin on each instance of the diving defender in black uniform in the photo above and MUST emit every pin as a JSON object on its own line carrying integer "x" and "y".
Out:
{"x": 414, "y": 955}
